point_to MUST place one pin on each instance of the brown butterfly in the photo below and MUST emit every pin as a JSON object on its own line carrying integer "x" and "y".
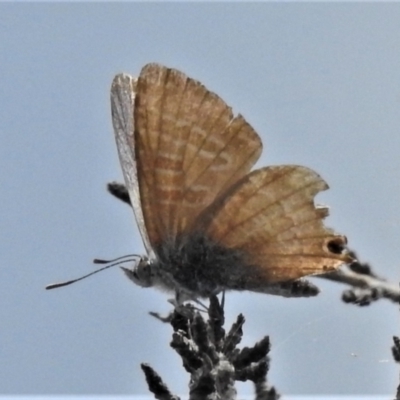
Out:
{"x": 209, "y": 224}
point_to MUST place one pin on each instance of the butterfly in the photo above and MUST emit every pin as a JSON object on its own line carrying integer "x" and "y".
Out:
{"x": 210, "y": 223}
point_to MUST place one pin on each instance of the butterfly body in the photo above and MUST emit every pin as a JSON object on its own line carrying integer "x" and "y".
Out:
{"x": 195, "y": 266}
{"x": 208, "y": 222}
{"x": 200, "y": 268}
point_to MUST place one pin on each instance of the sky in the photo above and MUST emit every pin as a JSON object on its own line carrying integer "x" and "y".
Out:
{"x": 320, "y": 83}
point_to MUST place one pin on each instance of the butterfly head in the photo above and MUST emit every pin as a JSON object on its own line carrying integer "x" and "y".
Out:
{"x": 141, "y": 272}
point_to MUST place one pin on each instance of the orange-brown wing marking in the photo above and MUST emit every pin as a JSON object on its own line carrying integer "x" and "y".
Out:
{"x": 160, "y": 146}
{"x": 272, "y": 218}
{"x": 189, "y": 148}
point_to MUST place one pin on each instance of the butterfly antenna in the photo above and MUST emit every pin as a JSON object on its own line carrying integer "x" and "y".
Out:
{"x": 126, "y": 258}
{"x": 111, "y": 263}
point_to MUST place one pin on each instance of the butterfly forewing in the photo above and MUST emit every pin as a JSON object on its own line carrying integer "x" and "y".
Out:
{"x": 123, "y": 90}
{"x": 189, "y": 148}
{"x": 272, "y": 218}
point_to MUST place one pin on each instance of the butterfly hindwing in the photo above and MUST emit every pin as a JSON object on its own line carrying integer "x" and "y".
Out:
{"x": 272, "y": 219}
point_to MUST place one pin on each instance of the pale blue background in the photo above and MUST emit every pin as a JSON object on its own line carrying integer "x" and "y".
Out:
{"x": 321, "y": 85}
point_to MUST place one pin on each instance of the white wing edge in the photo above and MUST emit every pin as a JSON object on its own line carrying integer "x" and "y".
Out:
{"x": 123, "y": 90}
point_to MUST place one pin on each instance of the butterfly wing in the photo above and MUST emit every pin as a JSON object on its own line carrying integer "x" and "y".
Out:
{"x": 189, "y": 148}
{"x": 271, "y": 217}
{"x": 123, "y": 91}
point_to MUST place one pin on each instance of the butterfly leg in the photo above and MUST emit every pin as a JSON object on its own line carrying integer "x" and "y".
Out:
{"x": 181, "y": 297}
{"x": 223, "y": 300}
